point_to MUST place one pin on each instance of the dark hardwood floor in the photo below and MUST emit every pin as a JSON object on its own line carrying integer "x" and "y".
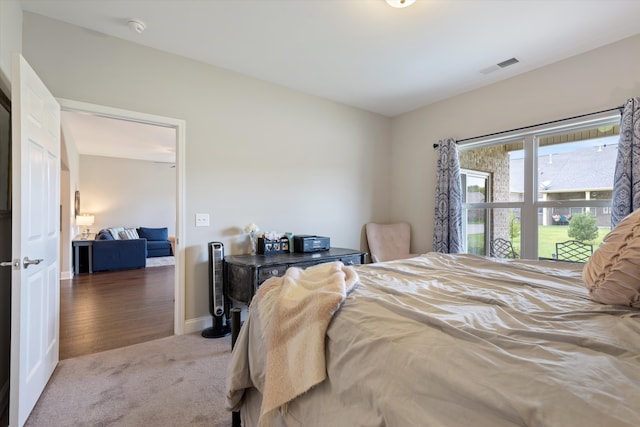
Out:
{"x": 113, "y": 309}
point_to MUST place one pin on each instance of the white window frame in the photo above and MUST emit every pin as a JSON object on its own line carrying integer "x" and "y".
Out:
{"x": 530, "y": 204}
{"x": 488, "y": 196}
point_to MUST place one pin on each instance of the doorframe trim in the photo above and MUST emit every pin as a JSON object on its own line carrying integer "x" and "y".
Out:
{"x": 180, "y": 126}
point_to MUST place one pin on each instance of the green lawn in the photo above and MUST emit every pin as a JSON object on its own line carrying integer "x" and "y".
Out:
{"x": 549, "y": 235}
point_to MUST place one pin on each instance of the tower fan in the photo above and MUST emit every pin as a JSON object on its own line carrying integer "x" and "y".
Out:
{"x": 216, "y": 297}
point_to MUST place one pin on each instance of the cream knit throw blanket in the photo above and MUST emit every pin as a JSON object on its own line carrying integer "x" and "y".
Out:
{"x": 295, "y": 311}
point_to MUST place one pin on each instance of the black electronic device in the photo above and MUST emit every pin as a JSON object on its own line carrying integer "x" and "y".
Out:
{"x": 309, "y": 243}
{"x": 216, "y": 296}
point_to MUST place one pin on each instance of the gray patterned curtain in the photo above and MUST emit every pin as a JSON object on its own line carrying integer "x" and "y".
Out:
{"x": 447, "y": 232}
{"x": 626, "y": 181}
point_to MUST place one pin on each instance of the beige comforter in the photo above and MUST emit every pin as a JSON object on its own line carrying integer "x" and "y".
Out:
{"x": 455, "y": 340}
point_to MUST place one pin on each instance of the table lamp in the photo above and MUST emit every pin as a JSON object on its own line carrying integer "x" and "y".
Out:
{"x": 85, "y": 220}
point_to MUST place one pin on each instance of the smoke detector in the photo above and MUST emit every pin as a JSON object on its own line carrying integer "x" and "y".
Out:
{"x": 136, "y": 25}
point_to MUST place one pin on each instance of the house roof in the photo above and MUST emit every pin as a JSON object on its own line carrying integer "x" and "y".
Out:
{"x": 590, "y": 168}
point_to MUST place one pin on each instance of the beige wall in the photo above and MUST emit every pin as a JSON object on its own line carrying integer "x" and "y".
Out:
{"x": 255, "y": 152}
{"x": 10, "y": 39}
{"x": 594, "y": 81}
{"x": 69, "y": 183}
{"x": 128, "y": 193}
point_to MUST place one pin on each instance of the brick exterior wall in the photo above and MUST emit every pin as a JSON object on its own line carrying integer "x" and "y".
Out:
{"x": 495, "y": 161}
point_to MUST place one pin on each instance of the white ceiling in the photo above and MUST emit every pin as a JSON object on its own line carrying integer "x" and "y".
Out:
{"x": 102, "y": 136}
{"x": 363, "y": 53}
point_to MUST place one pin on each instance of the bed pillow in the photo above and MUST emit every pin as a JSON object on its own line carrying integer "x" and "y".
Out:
{"x": 612, "y": 274}
{"x": 154, "y": 233}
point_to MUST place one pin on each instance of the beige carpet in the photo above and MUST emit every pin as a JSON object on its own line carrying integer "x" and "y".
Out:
{"x": 175, "y": 381}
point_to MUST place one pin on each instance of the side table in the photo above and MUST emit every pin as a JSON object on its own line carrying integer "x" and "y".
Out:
{"x": 78, "y": 243}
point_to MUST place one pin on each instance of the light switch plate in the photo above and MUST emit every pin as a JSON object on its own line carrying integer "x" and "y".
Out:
{"x": 202, "y": 220}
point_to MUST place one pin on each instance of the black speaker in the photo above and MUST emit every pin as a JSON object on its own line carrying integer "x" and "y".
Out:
{"x": 216, "y": 296}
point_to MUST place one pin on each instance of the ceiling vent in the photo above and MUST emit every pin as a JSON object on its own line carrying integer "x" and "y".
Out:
{"x": 500, "y": 65}
{"x": 508, "y": 62}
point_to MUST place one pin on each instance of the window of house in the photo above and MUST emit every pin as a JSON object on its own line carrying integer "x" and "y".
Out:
{"x": 528, "y": 187}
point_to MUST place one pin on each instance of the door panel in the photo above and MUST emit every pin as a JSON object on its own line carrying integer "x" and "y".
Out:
{"x": 35, "y": 240}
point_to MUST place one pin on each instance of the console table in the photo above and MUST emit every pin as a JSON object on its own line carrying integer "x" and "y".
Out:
{"x": 244, "y": 273}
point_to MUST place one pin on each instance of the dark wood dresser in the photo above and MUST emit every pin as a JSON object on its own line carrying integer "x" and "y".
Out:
{"x": 244, "y": 273}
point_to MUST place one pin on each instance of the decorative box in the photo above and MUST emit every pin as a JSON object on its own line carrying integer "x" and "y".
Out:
{"x": 270, "y": 247}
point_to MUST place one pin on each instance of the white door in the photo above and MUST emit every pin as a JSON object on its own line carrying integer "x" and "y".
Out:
{"x": 35, "y": 291}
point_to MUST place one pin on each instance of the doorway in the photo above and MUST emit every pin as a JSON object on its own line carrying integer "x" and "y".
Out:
{"x": 5, "y": 256}
{"x": 178, "y": 126}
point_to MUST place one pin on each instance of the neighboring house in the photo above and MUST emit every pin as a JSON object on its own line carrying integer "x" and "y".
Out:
{"x": 575, "y": 169}
{"x": 585, "y": 174}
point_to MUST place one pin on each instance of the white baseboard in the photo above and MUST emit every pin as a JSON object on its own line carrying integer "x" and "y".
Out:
{"x": 198, "y": 324}
{"x": 66, "y": 275}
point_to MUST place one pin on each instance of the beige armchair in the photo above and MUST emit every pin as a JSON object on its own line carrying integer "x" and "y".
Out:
{"x": 389, "y": 241}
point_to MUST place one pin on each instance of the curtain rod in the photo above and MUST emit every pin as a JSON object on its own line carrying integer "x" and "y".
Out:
{"x": 620, "y": 108}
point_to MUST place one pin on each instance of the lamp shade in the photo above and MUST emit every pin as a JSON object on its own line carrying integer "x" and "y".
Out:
{"x": 85, "y": 220}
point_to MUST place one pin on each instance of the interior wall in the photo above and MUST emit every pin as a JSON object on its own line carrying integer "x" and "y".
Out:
{"x": 128, "y": 193}
{"x": 255, "y": 152}
{"x": 66, "y": 256}
{"x": 597, "y": 80}
{"x": 10, "y": 39}
{"x": 69, "y": 183}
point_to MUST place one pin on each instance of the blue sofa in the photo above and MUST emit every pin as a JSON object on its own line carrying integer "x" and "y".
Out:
{"x": 129, "y": 251}
{"x": 119, "y": 254}
{"x": 158, "y": 243}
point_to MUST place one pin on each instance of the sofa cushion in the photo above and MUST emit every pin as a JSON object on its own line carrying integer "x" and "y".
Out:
{"x": 128, "y": 234}
{"x": 115, "y": 232}
{"x": 156, "y": 248}
{"x": 104, "y": 235}
{"x": 152, "y": 234}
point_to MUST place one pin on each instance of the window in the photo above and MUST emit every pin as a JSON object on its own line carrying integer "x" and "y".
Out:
{"x": 528, "y": 187}
{"x": 475, "y": 222}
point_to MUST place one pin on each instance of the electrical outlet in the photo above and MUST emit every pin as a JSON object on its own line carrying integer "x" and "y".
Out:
{"x": 202, "y": 220}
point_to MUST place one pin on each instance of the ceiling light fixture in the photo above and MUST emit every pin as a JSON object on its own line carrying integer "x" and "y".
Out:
{"x": 400, "y": 3}
{"x": 136, "y": 25}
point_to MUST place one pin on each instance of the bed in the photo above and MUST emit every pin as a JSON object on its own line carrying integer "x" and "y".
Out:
{"x": 455, "y": 340}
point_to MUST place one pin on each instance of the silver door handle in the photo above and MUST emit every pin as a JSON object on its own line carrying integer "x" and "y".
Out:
{"x": 15, "y": 264}
{"x": 27, "y": 262}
